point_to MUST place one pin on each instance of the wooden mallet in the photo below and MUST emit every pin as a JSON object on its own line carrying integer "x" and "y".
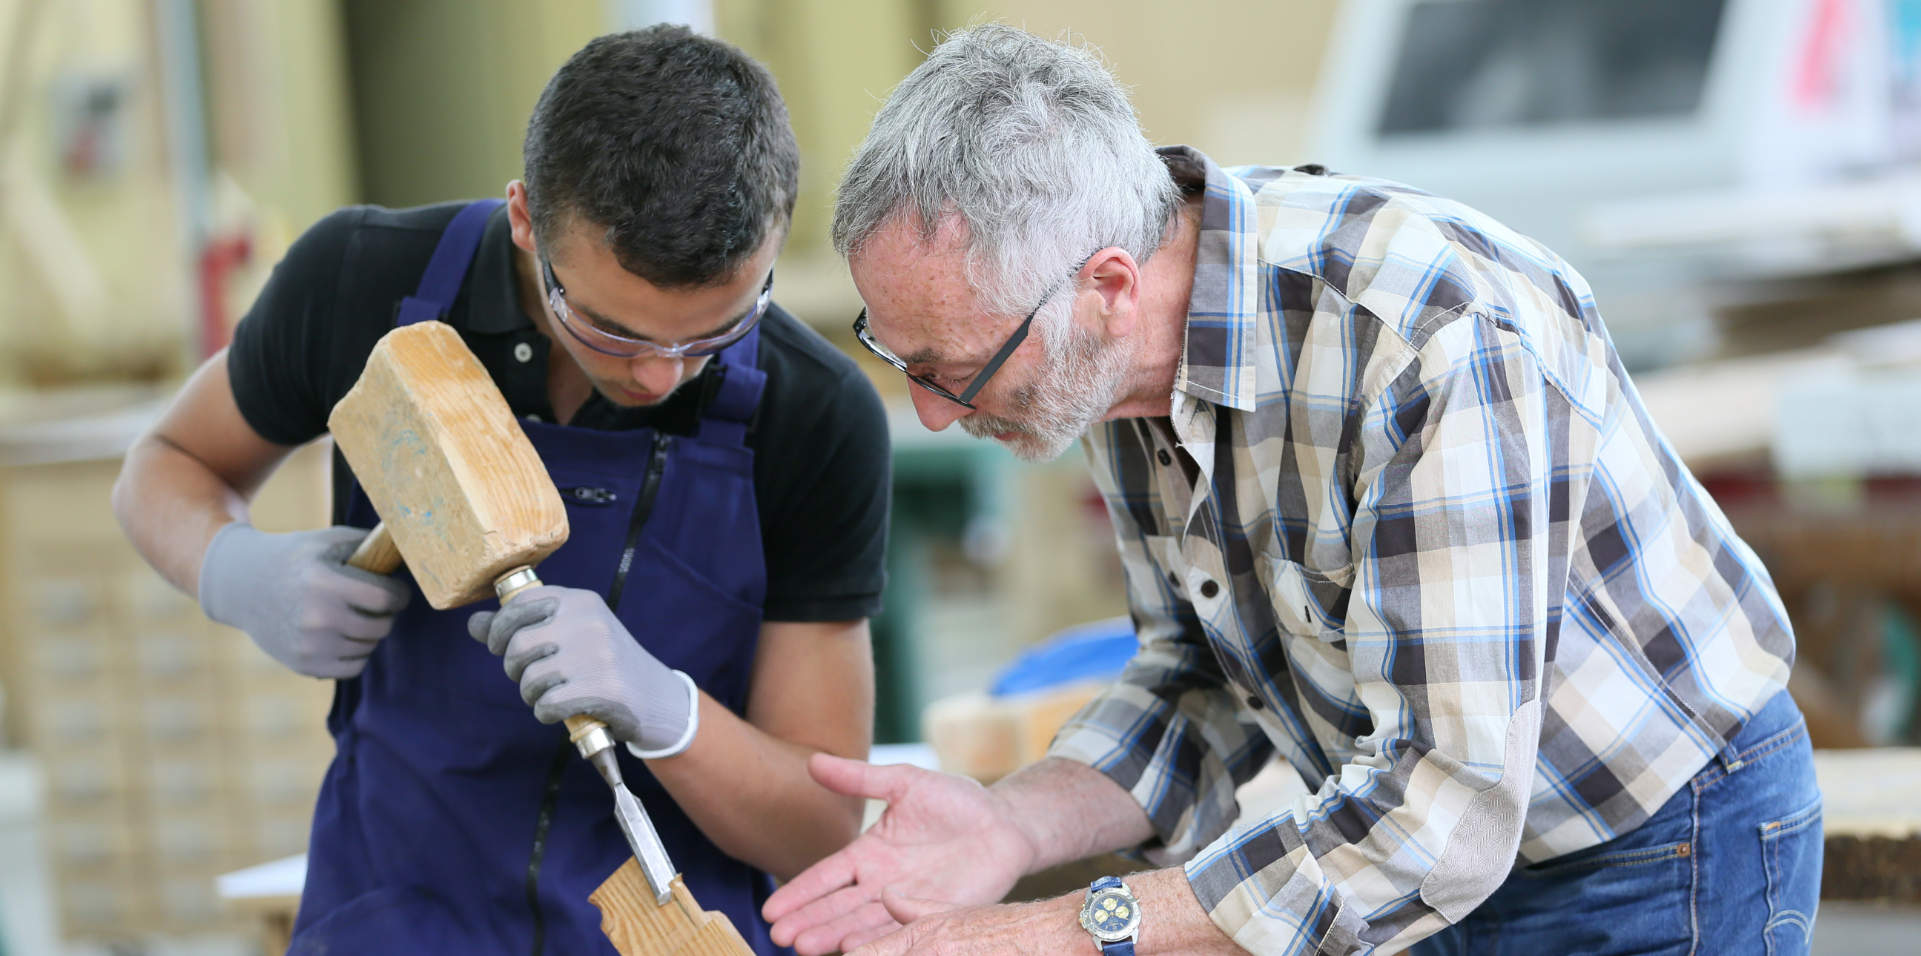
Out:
{"x": 465, "y": 500}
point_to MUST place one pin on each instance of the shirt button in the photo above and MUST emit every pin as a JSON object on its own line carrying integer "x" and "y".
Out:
{"x": 1209, "y": 588}
{"x": 523, "y": 352}
{"x": 1255, "y": 703}
{"x": 532, "y": 417}
{"x": 1166, "y": 459}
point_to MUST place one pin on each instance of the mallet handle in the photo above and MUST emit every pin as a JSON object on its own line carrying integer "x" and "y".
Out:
{"x": 377, "y": 552}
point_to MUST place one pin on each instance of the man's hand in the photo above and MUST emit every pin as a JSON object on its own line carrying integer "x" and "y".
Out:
{"x": 944, "y": 841}
{"x": 572, "y": 656}
{"x": 295, "y": 595}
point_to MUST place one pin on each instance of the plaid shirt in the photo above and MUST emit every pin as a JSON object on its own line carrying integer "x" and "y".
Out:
{"x": 1409, "y": 529}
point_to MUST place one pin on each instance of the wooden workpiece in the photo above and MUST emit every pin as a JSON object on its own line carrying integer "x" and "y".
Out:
{"x": 1871, "y": 819}
{"x": 680, "y": 928}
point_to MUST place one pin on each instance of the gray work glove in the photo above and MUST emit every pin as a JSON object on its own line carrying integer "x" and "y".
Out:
{"x": 294, "y": 594}
{"x": 571, "y": 656}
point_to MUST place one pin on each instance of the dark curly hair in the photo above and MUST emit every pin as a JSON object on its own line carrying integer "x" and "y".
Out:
{"x": 677, "y": 145}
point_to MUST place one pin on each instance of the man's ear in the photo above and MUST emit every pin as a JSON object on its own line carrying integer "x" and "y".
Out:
{"x": 1114, "y": 276}
{"x": 518, "y": 217}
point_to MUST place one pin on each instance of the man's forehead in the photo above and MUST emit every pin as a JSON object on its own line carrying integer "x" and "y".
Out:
{"x": 920, "y": 329}
{"x": 897, "y": 254}
{"x": 914, "y": 288}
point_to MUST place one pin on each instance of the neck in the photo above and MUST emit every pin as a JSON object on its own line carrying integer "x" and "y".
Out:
{"x": 1167, "y": 280}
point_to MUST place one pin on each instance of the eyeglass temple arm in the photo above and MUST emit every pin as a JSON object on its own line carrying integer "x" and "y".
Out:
{"x": 993, "y": 365}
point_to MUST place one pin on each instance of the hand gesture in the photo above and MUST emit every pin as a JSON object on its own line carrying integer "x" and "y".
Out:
{"x": 944, "y": 841}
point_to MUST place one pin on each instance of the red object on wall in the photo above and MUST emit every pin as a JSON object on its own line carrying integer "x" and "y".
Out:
{"x": 218, "y": 258}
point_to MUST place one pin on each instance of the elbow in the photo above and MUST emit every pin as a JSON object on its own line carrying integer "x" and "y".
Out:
{"x": 126, "y": 485}
{"x": 1481, "y": 849}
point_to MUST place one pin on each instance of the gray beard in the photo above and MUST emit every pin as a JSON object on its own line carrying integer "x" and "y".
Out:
{"x": 1076, "y": 387}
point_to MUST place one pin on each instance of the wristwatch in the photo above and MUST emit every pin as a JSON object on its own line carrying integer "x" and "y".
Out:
{"x": 1112, "y": 915}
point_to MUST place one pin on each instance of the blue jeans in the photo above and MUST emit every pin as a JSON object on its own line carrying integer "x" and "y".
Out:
{"x": 1730, "y": 865}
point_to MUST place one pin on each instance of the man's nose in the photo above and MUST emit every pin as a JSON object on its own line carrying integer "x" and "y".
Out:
{"x": 936, "y": 412}
{"x": 656, "y": 373}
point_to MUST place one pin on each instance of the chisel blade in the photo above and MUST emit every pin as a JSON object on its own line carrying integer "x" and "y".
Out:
{"x": 645, "y": 844}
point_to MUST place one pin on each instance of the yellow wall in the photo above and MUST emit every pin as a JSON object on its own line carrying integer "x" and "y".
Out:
{"x": 443, "y": 88}
{"x": 92, "y": 265}
{"x": 1233, "y": 79}
{"x": 278, "y": 110}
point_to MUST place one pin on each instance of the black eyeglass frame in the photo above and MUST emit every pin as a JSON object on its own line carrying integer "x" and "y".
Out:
{"x": 966, "y": 398}
{"x": 564, "y": 314}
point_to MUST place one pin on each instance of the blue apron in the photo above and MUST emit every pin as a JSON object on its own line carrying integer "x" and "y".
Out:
{"x": 452, "y": 821}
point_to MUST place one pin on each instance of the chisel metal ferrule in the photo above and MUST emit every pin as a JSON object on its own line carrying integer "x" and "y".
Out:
{"x": 591, "y": 739}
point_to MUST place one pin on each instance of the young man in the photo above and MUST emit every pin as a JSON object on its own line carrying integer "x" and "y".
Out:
{"x": 726, "y": 475}
{"x": 1390, "y": 511}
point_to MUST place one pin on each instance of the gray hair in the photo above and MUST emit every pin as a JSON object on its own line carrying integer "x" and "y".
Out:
{"x": 1032, "y": 144}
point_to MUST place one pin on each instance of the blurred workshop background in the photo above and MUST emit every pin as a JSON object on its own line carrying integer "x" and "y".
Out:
{"x": 1740, "y": 180}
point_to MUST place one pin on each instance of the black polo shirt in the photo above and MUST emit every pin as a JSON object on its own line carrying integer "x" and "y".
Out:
{"x": 821, "y": 462}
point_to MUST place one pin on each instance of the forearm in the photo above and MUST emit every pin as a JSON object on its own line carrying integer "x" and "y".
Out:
{"x": 1070, "y": 811}
{"x": 736, "y": 778}
{"x": 170, "y": 506}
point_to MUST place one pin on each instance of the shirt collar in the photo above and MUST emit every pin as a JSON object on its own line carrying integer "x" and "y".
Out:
{"x": 493, "y": 300}
{"x": 1223, "y": 310}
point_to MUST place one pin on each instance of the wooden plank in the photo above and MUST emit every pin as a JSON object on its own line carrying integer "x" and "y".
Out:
{"x": 1871, "y": 820}
{"x": 639, "y": 927}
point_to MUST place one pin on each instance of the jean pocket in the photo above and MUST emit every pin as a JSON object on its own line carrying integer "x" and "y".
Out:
{"x": 1611, "y": 898}
{"x": 1791, "y": 856}
{"x": 1667, "y": 835}
{"x": 1601, "y": 858}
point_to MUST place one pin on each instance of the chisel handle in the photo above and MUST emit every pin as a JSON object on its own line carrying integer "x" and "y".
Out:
{"x": 589, "y": 735}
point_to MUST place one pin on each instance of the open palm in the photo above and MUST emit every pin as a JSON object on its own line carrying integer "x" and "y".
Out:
{"x": 944, "y": 841}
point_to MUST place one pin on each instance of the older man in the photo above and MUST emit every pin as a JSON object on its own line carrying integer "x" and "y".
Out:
{"x": 1390, "y": 511}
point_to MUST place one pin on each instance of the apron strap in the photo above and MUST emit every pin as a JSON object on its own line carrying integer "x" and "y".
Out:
{"x": 725, "y": 419}
{"x": 440, "y": 284}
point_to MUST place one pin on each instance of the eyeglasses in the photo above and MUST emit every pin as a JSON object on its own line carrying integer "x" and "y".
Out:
{"x": 966, "y": 397}
{"x": 600, "y": 340}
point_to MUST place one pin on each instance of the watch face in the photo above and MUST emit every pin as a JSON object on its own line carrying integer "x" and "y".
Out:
{"x": 1111, "y": 914}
